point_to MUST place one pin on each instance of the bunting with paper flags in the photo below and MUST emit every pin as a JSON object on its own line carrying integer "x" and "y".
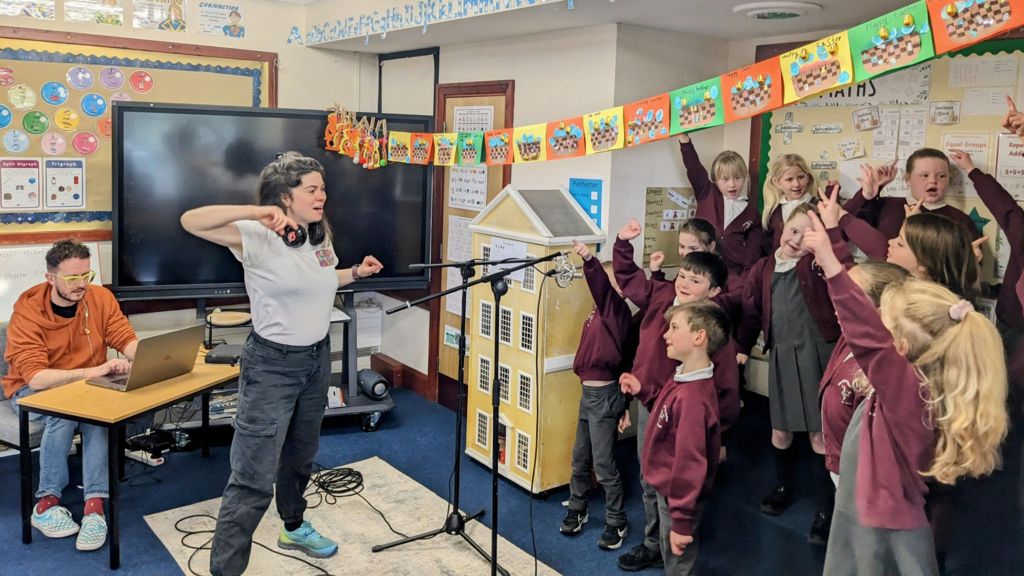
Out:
{"x": 752, "y": 89}
{"x": 817, "y": 67}
{"x": 565, "y": 139}
{"x": 899, "y": 39}
{"x": 498, "y": 146}
{"x": 958, "y": 24}
{"x": 444, "y": 148}
{"x": 913, "y": 34}
{"x": 470, "y": 149}
{"x": 603, "y": 130}
{"x": 647, "y": 120}
{"x": 697, "y": 106}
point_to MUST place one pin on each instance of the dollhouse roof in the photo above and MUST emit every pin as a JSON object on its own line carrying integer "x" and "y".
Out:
{"x": 555, "y": 218}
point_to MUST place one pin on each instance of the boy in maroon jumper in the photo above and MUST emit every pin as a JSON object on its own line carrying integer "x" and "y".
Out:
{"x": 652, "y": 366}
{"x": 927, "y": 174}
{"x": 598, "y": 361}
{"x": 680, "y": 451}
{"x": 725, "y": 203}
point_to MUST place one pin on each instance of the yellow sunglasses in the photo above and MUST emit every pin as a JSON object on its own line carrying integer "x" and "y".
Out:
{"x": 86, "y": 278}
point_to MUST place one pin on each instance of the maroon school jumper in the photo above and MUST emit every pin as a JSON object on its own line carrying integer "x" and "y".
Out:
{"x": 727, "y": 370}
{"x": 599, "y": 355}
{"x": 681, "y": 445}
{"x": 1010, "y": 217}
{"x": 838, "y": 400}
{"x": 887, "y": 214}
{"x": 650, "y": 365}
{"x": 739, "y": 243}
{"x": 896, "y": 441}
{"x": 757, "y": 297}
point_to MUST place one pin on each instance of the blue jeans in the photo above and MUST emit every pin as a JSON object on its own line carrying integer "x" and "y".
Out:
{"x": 282, "y": 393}
{"x": 53, "y": 453}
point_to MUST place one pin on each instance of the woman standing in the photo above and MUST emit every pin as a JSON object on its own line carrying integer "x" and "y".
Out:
{"x": 286, "y": 251}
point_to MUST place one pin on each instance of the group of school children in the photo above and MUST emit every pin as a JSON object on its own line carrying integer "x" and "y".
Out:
{"x": 899, "y": 383}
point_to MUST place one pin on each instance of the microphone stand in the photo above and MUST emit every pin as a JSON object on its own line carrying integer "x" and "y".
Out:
{"x": 456, "y": 522}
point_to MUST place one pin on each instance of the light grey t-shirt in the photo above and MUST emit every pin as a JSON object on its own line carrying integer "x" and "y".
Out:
{"x": 291, "y": 290}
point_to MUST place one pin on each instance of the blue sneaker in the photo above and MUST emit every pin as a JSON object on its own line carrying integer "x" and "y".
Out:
{"x": 93, "y": 533}
{"x": 56, "y": 522}
{"x": 307, "y": 540}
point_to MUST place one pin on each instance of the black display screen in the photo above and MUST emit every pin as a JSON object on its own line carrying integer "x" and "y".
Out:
{"x": 169, "y": 159}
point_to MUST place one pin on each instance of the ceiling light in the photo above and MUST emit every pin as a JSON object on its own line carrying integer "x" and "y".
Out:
{"x": 776, "y": 10}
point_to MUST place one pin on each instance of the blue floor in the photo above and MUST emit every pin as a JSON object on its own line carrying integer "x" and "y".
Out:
{"x": 416, "y": 438}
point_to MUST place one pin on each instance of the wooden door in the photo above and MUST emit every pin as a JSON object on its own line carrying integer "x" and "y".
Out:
{"x": 455, "y": 103}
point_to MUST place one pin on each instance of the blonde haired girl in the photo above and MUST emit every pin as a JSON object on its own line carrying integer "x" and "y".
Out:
{"x": 790, "y": 184}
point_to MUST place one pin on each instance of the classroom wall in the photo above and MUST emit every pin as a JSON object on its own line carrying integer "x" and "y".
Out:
{"x": 307, "y": 77}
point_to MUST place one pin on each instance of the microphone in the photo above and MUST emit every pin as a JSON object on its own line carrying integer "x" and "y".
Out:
{"x": 564, "y": 271}
{"x": 417, "y": 266}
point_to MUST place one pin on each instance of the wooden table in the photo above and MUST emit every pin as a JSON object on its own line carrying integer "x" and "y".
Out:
{"x": 111, "y": 409}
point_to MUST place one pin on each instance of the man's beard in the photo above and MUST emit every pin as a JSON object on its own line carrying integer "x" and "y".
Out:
{"x": 70, "y": 296}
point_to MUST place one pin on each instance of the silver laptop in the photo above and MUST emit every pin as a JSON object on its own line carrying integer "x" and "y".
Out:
{"x": 158, "y": 358}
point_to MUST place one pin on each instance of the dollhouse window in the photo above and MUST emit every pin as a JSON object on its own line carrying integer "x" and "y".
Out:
{"x": 529, "y": 277}
{"x": 522, "y": 451}
{"x": 484, "y": 384}
{"x": 504, "y": 376}
{"x": 525, "y": 392}
{"x": 526, "y": 331}
{"x": 485, "y": 254}
{"x": 483, "y": 429}
{"x": 486, "y": 319}
{"x": 505, "y": 326}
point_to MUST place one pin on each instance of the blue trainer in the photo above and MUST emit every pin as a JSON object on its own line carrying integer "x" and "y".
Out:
{"x": 56, "y": 522}
{"x": 307, "y": 540}
{"x": 93, "y": 533}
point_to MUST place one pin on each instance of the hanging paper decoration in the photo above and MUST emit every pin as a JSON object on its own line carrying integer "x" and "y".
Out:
{"x": 471, "y": 147}
{"x": 898, "y": 39}
{"x": 752, "y": 90}
{"x": 697, "y": 106}
{"x": 444, "y": 148}
{"x": 957, "y": 24}
{"x": 398, "y": 147}
{"x": 817, "y": 67}
{"x": 603, "y": 130}
{"x": 497, "y": 144}
{"x": 422, "y": 145}
{"x": 565, "y": 139}
{"x": 647, "y": 120}
{"x": 529, "y": 143}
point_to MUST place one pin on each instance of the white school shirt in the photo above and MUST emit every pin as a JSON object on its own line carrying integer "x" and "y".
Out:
{"x": 789, "y": 205}
{"x": 700, "y": 374}
{"x": 733, "y": 208}
{"x": 291, "y": 290}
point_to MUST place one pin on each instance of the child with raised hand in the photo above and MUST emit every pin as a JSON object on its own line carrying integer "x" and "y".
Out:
{"x": 844, "y": 386}
{"x": 789, "y": 184}
{"x": 786, "y": 295}
{"x": 725, "y": 203}
{"x": 597, "y": 364}
{"x": 680, "y": 450}
{"x": 651, "y": 365}
{"x": 1010, "y": 217}
{"x": 936, "y": 409}
{"x": 928, "y": 172}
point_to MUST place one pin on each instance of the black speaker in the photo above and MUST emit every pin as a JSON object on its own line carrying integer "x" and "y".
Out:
{"x": 372, "y": 384}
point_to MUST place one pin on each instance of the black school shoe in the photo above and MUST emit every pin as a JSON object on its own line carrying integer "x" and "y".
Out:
{"x": 777, "y": 501}
{"x": 820, "y": 529}
{"x": 639, "y": 558}
{"x": 573, "y": 522}
{"x": 612, "y": 537}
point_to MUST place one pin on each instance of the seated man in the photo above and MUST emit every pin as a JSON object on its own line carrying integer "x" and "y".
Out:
{"x": 58, "y": 334}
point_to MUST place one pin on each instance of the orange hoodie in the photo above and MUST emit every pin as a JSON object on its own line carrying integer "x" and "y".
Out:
{"x": 38, "y": 339}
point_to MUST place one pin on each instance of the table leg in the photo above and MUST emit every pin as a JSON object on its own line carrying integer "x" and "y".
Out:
{"x": 25, "y": 453}
{"x": 114, "y": 454}
{"x": 204, "y": 441}
{"x": 120, "y": 453}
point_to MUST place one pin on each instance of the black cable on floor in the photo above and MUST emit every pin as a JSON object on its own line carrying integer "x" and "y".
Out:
{"x": 333, "y": 483}
{"x": 206, "y": 545}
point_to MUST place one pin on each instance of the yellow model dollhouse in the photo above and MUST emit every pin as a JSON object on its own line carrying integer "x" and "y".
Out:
{"x": 537, "y": 327}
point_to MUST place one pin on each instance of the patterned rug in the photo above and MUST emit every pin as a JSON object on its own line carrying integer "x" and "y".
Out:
{"x": 409, "y": 507}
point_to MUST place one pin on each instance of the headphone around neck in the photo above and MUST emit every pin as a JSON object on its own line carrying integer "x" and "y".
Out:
{"x": 297, "y": 236}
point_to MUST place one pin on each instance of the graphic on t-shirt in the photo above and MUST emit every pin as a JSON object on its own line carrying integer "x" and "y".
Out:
{"x": 326, "y": 258}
